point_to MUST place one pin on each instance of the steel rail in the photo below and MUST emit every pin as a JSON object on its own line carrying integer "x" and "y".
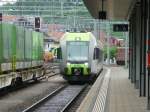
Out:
{"x": 71, "y": 101}
{"x": 34, "y": 106}
{"x": 61, "y": 105}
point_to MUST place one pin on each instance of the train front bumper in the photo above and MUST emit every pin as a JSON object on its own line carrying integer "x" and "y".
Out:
{"x": 78, "y": 78}
{"x": 77, "y": 69}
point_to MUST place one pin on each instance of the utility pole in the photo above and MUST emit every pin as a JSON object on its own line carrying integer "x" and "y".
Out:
{"x": 75, "y": 14}
{"x": 95, "y": 27}
{"x": 62, "y": 8}
{"x": 108, "y": 45}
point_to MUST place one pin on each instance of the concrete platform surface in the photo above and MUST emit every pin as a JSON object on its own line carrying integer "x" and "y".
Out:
{"x": 123, "y": 96}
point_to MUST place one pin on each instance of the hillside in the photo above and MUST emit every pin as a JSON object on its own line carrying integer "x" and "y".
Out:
{"x": 57, "y": 9}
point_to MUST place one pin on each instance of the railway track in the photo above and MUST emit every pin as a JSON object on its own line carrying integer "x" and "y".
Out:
{"x": 59, "y": 100}
{"x": 52, "y": 70}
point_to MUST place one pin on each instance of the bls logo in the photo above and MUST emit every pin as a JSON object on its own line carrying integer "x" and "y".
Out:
{"x": 77, "y": 38}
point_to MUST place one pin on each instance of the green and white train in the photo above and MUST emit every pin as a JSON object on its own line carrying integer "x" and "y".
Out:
{"x": 21, "y": 54}
{"x": 82, "y": 56}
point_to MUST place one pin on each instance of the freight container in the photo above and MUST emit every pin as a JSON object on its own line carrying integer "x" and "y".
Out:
{"x": 28, "y": 45}
{"x": 35, "y": 37}
{"x": 9, "y": 47}
{"x": 21, "y": 54}
{"x": 41, "y": 46}
{"x": 20, "y": 43}
{"x": 6, "y": 42}
{"x": 28, "y": 48}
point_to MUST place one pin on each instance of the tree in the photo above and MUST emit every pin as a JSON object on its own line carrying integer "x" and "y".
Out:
{"x": 112, "y": 52}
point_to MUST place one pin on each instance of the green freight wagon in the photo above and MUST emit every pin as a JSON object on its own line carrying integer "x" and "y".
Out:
{"x": 21, "y": 54}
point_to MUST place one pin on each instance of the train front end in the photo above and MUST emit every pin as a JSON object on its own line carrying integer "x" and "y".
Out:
{"x": 75, "y": 57}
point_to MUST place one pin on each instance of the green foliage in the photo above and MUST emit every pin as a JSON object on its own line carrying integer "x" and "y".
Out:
{"x": 112, "y": 52}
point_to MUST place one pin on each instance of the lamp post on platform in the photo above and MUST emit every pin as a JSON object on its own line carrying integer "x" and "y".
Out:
{"x": 126, "y": 49}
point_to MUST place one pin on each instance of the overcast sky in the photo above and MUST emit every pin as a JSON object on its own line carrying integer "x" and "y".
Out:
{"x": 6, "y": 1}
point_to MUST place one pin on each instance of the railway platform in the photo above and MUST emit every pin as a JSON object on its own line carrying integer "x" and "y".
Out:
{"x": 121, "y": 95}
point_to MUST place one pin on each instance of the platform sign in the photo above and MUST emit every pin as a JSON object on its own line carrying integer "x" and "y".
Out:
{"x": 120, "y": 28}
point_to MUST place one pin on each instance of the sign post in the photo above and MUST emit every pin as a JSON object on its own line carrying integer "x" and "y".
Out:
{"x": 123, "y": 28}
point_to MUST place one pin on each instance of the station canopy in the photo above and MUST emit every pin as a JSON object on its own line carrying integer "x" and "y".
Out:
{"x": 58, "y": 16}
{"x": 115, "y": 9}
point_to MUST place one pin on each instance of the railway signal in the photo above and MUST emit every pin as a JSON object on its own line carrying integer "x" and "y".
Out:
{"x": 1, "y": 17}
{"x": 37, "y": 24}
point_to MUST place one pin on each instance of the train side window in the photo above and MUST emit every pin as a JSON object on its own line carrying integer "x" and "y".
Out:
{"x": 96, "y": 53}
{"x": 59, "y": 53}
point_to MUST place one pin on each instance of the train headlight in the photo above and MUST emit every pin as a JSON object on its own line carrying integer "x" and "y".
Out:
{"x": 68, "y": 64}
{"x": 86, "y": 64}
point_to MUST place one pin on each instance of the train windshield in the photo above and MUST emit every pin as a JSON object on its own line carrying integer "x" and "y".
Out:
{"x": 77, "y": 51}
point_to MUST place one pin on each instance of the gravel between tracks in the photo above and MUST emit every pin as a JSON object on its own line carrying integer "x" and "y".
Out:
{"x": 18, "y": 100}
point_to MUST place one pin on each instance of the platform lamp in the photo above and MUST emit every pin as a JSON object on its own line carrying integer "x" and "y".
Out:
{"x": 37, "y": 24}
{"x": 102, "y": 16}
{"x": 102, "y": 13}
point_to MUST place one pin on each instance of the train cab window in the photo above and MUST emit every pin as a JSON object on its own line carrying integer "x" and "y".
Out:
{"x": 77, "y": 51}
{"x": 96, "y": 53}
